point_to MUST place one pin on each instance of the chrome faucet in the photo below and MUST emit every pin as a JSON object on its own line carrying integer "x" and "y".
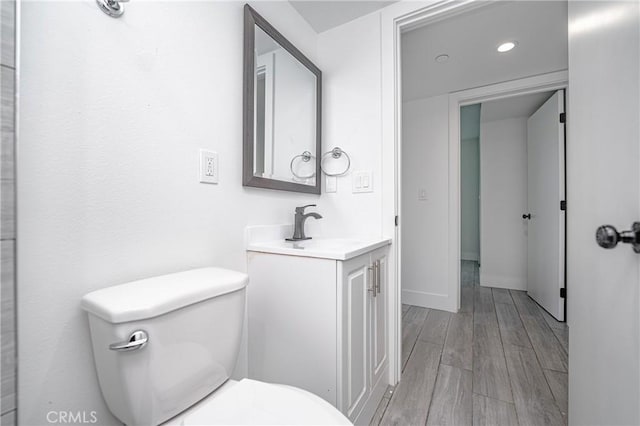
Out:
{"x": 300, "y": 218}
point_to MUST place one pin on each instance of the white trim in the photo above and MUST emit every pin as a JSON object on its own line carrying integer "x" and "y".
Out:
{"x": 523, "y": 86}
{"x": 437, "y": 11}
{"x": 426, "y": 300}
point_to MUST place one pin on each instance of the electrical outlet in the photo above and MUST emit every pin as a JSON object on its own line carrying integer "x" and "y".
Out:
{"x": 209, "y": 169}
{"x": 208, "y": 166}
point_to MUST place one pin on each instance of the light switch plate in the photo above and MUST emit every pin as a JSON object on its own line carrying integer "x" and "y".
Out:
{"x": 362, "y": 181}
{"x": 331, "y": 184}
{"x": 422, "y": 194}
{"x": 208, "y": 166}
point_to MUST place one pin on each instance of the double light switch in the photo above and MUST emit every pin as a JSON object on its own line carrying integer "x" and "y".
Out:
{"x": 362, "y": 181}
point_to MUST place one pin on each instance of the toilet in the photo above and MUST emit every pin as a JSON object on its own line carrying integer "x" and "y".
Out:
{"x": 165, "y": 348}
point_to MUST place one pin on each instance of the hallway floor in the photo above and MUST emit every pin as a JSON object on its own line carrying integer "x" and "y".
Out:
{"x": 502, "y": 360}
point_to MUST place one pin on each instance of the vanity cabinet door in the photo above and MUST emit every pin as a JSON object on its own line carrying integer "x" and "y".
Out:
{"x": 379, "y": 315}
{"x": 355, "y": 289}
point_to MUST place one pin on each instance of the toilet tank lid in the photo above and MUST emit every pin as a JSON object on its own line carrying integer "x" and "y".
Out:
{"x": 150, "y": 297}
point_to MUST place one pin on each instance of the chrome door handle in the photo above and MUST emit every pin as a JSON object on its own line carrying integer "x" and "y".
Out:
{"x": 378, "y": 276}
{"x": 137, "y": 340}
{"x": 375, "y": 278}
{"x": 608, "y": 236}
{"x": 372, "y": 279}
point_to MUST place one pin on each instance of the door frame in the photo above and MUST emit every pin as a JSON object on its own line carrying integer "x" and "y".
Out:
{"x": 541, "y": 83}
{"x": 396, "y": 19}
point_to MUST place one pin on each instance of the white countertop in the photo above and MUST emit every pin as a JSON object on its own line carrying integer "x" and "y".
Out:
{"x": 325, "y": 248}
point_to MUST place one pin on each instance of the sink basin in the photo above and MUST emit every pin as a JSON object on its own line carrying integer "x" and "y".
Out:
{"x": 326, "y": 248}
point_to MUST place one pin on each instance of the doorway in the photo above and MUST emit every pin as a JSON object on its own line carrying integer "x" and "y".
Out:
{"x": 428, "y": 154}
{"x": 473, "y": 333}
{"x": 604, "y": 379}
{"x": 512, "y": 151}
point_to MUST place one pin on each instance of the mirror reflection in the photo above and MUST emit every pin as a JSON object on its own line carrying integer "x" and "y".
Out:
{"x": 284, "y": 114}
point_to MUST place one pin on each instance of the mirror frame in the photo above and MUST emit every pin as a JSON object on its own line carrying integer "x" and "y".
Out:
{"x": 252, "y": 18}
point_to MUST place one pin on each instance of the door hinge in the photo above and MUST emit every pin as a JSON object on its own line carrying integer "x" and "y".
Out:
{"x": 397, "y": 220}
{"x": 563, "y": 117}
{"x": 563, "y": 293}
{"x": 563, "y": 205}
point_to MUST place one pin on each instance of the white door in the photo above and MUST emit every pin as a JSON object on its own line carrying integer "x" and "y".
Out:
{"x": 545, "y": 186}
{"x": 603, "y": 286}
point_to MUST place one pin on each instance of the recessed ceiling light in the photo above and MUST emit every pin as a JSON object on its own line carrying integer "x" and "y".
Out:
{"x": 505, "y": 47}
{"x": 442, "y": 58}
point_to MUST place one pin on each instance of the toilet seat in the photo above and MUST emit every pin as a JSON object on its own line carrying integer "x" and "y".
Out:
{"x": 250, "y": 402}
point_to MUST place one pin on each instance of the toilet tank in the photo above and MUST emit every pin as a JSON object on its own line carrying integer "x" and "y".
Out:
{"x": 193, "y": 324}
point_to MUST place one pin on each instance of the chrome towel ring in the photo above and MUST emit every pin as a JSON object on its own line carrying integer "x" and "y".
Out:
{"x": 335, "y": 153}
{"x": 112, "y": 8}
{"x": 306, "y": 157}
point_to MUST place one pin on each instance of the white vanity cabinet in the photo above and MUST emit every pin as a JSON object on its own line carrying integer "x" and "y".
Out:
{"x": 363, "y": 332}
{"x": 320, "y": 323}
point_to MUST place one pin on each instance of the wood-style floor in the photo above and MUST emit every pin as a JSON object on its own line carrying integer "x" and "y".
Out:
{"x": 502, "y": 360}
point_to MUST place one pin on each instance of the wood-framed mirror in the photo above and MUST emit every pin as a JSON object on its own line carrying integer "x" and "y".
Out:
{"x": 282, "y": 103}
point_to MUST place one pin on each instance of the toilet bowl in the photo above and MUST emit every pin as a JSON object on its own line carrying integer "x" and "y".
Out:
{"x": 165, "y": 347}
{"x": 250, "y": 402}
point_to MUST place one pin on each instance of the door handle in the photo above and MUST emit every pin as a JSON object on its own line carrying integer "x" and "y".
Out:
{"x": 375, "y": 278}
{"x": 137, "y": 340}
{"x": 378, "y": 276}
{"x": 527, "y": 216}
{"x": 372, "y": 280}
{"x": 608, "y": 236}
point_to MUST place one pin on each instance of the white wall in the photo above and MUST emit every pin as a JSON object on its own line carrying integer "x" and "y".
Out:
{"x": 350, "y": 58}
{"x": 425, "y": 164}
{"x": 503, "y": 185}
{"x": 112, "y": 114}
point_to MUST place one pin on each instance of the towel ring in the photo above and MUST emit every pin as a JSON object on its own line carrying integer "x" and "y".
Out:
{"x": 335, "y": 153}
{"x": 306, "y": 157}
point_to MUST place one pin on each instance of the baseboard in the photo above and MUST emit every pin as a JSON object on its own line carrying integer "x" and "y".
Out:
{"x": 467, "y": 255}
{"x": 502, "y": 281}
{"x": 428, "y": 300}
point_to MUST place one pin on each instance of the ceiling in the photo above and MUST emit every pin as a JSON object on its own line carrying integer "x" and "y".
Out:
{"x": 470, "y": 39}
{"x": 327, "y": 14}
{"x": 517, "y": 106}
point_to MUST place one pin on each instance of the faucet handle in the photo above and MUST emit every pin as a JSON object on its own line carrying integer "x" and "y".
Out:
{"x": 301, "y": 208}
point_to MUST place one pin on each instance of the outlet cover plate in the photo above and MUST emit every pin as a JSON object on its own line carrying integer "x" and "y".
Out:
{"x": 331, "y": 184}
{"x": 208, "y": 166}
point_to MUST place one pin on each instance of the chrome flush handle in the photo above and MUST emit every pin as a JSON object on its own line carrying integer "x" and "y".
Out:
{"x": 137, "y": 340}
